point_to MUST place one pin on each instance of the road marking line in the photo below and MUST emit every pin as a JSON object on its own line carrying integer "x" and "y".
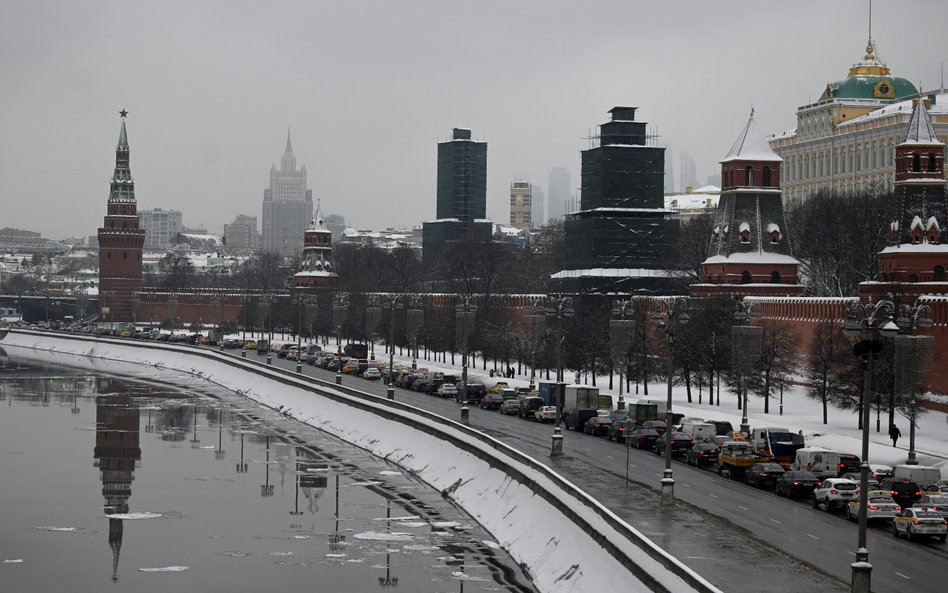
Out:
{"x": 713, "y": 495}
{"x": 777, "y": 522}
{"x": 742, "y": 507}
{"x": 813, "y": 536}
{"x": 907, "y": 578}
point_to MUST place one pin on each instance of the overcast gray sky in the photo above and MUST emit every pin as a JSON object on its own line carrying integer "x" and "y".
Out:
{"x": 369, "y": 88}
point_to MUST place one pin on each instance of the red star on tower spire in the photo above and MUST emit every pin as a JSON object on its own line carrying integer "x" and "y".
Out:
{"x": 123, "y": 113}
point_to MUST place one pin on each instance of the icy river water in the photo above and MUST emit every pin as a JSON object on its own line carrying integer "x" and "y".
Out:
{"x": 130, "y": 484}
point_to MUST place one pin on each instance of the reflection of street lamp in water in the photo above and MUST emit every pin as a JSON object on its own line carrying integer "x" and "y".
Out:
{"x": 388, "y": 580}
{"x": 219, "y": 453}
{"x": 241, "y": 465}
{"x": 266, "y": 489}
{"x": 336, "y": 539}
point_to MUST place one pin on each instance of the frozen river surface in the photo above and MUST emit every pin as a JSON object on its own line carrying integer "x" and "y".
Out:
{"x": 126, "y": 484}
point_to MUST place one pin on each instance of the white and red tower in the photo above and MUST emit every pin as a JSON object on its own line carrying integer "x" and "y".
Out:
{"x": 318, "y": 270}
{"x": 120, "y": 240}
{"x": 750, "y": 251}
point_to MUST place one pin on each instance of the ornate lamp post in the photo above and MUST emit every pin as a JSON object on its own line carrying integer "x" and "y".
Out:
{"x": 340, "y": 309}
{"x": 559, "y": 308}
{"x": 264, "y": 308}
{"x": 621, "y": 330}
{"x": 172, "y": 309}
{"x": 536, "y": 326}
{"x": 465, "y": 315}
{"x": 302, "y": 302}
{"x": 746, "y": 346}
{"x": 866, "y": 320}
{"x": 668, "y": 316}
{"x": 414, "y": 320}
{"x": 913, "y": 360}
{"x": 110, "y": 294}
{"x": 216, "y": 302}
{"x": 134, "y": 303}
{"x": 373, "y": 313}
{"x": 392, "y": 302}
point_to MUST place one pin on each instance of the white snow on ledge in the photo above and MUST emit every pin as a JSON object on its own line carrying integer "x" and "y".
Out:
{"x": 538, "y": 535}
{"x": 615, "y": 273}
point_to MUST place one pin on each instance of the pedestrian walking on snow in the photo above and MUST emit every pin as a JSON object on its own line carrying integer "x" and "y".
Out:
{"x": 894, "y": 434}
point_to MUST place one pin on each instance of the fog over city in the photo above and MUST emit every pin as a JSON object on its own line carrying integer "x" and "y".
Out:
{"x": 368, "y": 88}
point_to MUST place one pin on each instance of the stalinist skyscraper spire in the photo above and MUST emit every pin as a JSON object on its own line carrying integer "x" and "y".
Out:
{"x": 287, "y": 206}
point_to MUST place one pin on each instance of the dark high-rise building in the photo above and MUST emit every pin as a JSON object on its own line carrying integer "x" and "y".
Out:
{"x": 121, "y": 240}
{"x": 559, "y": 192}
{"x": 462, "y": 178}
{"x": 622, "y": 238}
{"x": 462, "y": 198}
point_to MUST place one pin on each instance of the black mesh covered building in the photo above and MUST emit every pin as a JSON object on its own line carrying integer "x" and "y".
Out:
{"x": 622, "y": 238}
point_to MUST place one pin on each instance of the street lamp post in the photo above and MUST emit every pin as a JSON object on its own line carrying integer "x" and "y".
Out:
{"x": 392, "y": 302}
{"x": 621, "y": 330}
{"x": 667, "y": 316}
{"x": 465, "y": 316}
{"x": 110, "y": 294}
{"x": 536, "y": 325}
{"x": 415, "y": 317}
{"x": 265, "y": 308}
{"x": 559, "y": 308}
{"x": 746, "y": 346}
{"x": 913, "y": 358}
{"x": 216, "y": 301}
{"x": 373, "y": 313}
{"x": 302, "y": 301}
{"x": 868, "y": 320}
{"x": 340, "y": 309}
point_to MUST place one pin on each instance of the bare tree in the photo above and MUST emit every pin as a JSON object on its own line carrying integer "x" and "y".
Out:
{"x": 828, "y": 362}
{"x": 778, "y": 360}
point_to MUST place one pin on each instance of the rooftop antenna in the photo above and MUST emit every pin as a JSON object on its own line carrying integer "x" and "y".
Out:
{"x": 870, "y": 21}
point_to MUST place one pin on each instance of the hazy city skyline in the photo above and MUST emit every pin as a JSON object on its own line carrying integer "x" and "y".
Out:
{"x": 368, "y": 89}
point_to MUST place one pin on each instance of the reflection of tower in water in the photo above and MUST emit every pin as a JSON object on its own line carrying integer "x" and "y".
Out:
{"x": 116, "y": 452}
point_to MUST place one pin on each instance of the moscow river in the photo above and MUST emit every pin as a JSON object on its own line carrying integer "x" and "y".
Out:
{"x": 129, "y": 484}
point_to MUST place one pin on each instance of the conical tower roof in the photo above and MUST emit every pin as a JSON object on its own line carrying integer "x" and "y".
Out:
{"x": 751, "y": 145}
{"x": 289, "y": 146}
{"x": 123, "y": 137}
{"x": 920, "y": 128}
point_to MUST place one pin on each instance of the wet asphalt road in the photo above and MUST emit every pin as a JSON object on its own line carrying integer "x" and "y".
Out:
{"x": 739, "y": 538}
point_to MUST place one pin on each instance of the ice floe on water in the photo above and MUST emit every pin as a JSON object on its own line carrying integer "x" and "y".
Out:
{"x": 55, "y": 529}
{"x": 335, "y": 555}
{"x": 412, "y": 524}
{"x": 444, "y": 524}
{"x": 282, "y": 553}
{"x": 13, "y": 561}
{"x": 420, "y": 548}
{"x": 389, "y": 472}
{"x": 395, "y": 536}
{"x": 491, "y": 544}
{"x": 461, "y": 576}
{"x": 233, "y": 554}
{"x": 164, "y": 569}
{"x": 365, "y": 483}
{"x": 404, "y": 518}
{"x": 133, "y": 516}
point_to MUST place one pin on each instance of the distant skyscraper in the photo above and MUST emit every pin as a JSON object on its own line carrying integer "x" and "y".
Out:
{"x": 287, "y": 206}
{"x": 462, "y": 178}
{"x": 539, "y": 201}
{"x": 669, "y": 170}
{"x": 688, "y": 175}
{"x": 242, "y": 233}
{"x": 160, "y": 226}
{"x": 559, "y": 188}
{"x": 521, "y": 205}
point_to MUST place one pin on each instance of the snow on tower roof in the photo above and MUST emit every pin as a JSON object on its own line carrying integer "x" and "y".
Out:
{"x": 920, "y": 128}
{"x": 751, "y": 145}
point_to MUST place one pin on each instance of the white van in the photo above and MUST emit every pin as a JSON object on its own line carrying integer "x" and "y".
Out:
{"x": 698, "y": 431}
{"x": 818, "y": 460}
{"x": 923, "y": 475}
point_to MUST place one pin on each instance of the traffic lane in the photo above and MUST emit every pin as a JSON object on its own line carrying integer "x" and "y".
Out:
{"x": 811, "y": 535}
{"x": 814, "y": 536}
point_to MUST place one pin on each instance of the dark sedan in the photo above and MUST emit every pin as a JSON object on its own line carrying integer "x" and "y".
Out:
{"x": 680, "y": 444}
{"x": 657, "y": 425}
{"x": 491, "y": 401}
{"x": 598, "y": 426}
{"x": 763, "y": 475}
{"x": 644, "y": 438}
{"x": 796, "y": 483}
{"x": 702, "y": 454}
